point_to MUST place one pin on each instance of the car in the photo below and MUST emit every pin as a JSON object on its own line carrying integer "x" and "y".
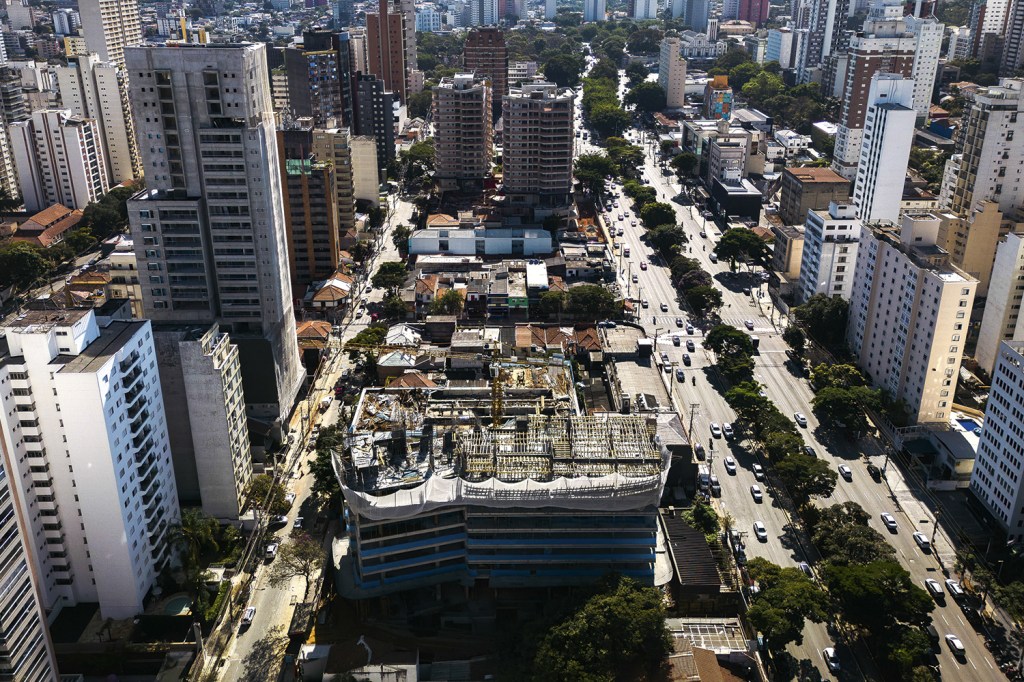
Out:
{"x": 922, "y": 541}
{"x": 645, "y": 303}
{"x": 271, "y": 550}
{"x": 676, "y": 340}
{"x": 749, "y": 324}
{"x": 956, "y": 646}
{"x": 615, "y": 204}
{"x": 686, "y": 358}
{"x": 810, "y": 452}
{"x": 643, "y": 266}
{"x": 622, "y": 217}
{"x": 690, "y": 346}
{"x": 619, "y": 232}
{"x": 635, "y": 279}
{"x": 716, "y": 430}
{"x": 703, "y": 234}
{"x": 247, "y": 616}
{"x": 664, "y": 358}
{"x": 935, "y": 589}
{"x": 806, "y": 568}
{"x": 956, "y": 590}
{"x": 716, "y": 487}
{"x": 289, "y": 499}
{"x": 689, "y": 328}
{"x": 730, "y": 465}
{"x": 680, "y": 375}
{"x": 755, "y": 492}
{"x": 707, "y": 215}
{"x": 727, "y": 431}
{"x": 712, "y": 257}
{"x": 758, "y": 472}
{"x": 762, "y": 392}
{"x": 664, "y": 307}
{"x": 831, "y": 660}
{"x": 800, "y": 419}
{"x": 845, "y": 472}
{"x": 874, "y": 472}
{"x": 633, "y": 223}
{"x": 359, "y": 312}
{"x": 698, "y": 450}
{"x": 299, "y": 521}
{"x": 746, "y": 291}
{"x": 760, "y": 531}
{"x": 679, "y": 322}
{"x": 277, "y": 521}
{"x": 889, "y": 521}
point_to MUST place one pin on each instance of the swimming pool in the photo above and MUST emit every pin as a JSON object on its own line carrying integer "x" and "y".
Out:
{"x": 968, "y": 424}
{"x": 178, "y": 606}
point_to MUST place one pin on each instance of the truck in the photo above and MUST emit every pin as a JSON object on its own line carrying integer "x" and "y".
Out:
{"x": 704, "y": 478}
{"x": 755, "y": 340}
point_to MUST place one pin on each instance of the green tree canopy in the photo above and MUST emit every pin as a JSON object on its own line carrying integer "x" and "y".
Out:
{"x": 844, "y": 407}
{"x": 703, "y": 300}
{"x": 390, "y": 275}
{"x": 741, "y": 74}
{"x": 564, "y": 69}
{"x": 695, "y": 278}
{"x": 682, "y": 265}
{"x": 794, "y": 337}
{"x": 419, "y": 104}
{"x": 724, "y": 339}
{"x": 605, "y": 68}
{"x": 325, "y": 481}
{"x": 778, "y": 445}
{"x": 877, "y": 595}
{"x": 553, "y": 303}
{"x": 657, "y": 213}
{"x": 393, "y": 307}
{"x": 22, "y": 264}
{"x": 645, "y": 41}
{"x": 592, "y": 302}
{"x": 636, "y": 73}
{"x": 826, "y": 375}
{"x": 647, "y": 96}
{"x": 609, "y": 119}
{"x": 400, "y": 237}
{"x": 667, "y": 239}
{"x": 265, "y": 494}
{"x": 591, "y": 170}
{"x": 685, "y": 164}
{"x": 824, "y": 318}
{"x": 742, "y": 245}
{"x": 450, "y": 302}
{"x": 787, "y": 599}
{"x": 301, "y": 556}
{"x": 806, "y": 477}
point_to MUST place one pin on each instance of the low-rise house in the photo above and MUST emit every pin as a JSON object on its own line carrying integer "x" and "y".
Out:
{"x": 49, "y": 226}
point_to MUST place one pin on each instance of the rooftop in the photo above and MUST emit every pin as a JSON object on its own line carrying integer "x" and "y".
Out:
{"x": 811, "y": 174}
{"x": 97, "y": 354}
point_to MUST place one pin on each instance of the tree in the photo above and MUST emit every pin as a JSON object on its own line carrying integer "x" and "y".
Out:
{"x": 450, "y": 302}
{"x": 1011, "y": 598}
{"x": 553, "y": 303}
{"x": 614, "y": 48}
{"x": 853, "y": 544}
{"x": 22, "y": 264}
{"x": 373, "y": 335}
{"x": 904, "y": 645}
{"x": 702, "y": 517}
{"x": 875, "y": 596}
{"x": 609, "y": 119}
{"x": 683, "y": 264}
{"x": 80, "y": 240}
{"x": 640, "y": 194}
{"x": 778, "y": 445}
{"x": 667, "y": 239}
{"x": 750, "y": 407}
{"x": 390, "y": 275}
{"x": 647, "y": 96}
{"x": 325, "y": 481}
{"x": 743, "y": 245}
{"x": 703, "y": 300}
{"x": 695, "y": 278}
{"x": 103, "y": 219}
{"x": 724, "y": 339}
{"x": 616, "y": 634}
{"x": 299, "y": 557}
{"x": 393, "y": 307}
{"x": 734, "y": 57}
{"x": 826, "y": 375}
{"x": 266, "y": 494}
{"x": 684, "y": 164}
{"x": 420, "y": 103}
{"x": 375, "y": 217}
{"x": 592, "y": 302}
{"x": 636, "y": 73}
{"x": 645, "y": 41}
{"x": 763, "y": 87}
{"x": 805, "y": 476}
{"x": 824, "y": 318}
{"x": 657, "y": 213}
{"x": 592, "y": 169}
{"x": 794, "y": 337}
{"x": 741, "y": 74}
{"x": 564, "y": 69}
{"x": 844, "y": 407}
{"x": 400, "y": 237}
{"x": 787, "y": 599}
{"x": 195, "y": 535}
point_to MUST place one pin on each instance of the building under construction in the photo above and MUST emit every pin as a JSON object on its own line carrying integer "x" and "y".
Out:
{"x": 437, "y": 493}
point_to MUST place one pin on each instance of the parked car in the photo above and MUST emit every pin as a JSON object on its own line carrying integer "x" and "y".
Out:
{"x": 831, "y": 660}
{"x": 758, "y": 472}
{"x": 922, "y": 541}
{"x": 956, "y": 590}
{"x": 686, "y": 358}
{"x": 845, "y": 472}
{"x": 247, "y": 616}
{"x": 271, "y": 550}
{"x": 727, "y": 431}
{"x": 755, "y": 492}
{"x": 299, "y": 521}
{"x": 730, "y": 465}
{"x": 809, "y": 451}
{"x": 716, "y": 430}
{"x": 889, "y": 521}
{"x": 698, "y": 450}
{"x": 935, "y": 589}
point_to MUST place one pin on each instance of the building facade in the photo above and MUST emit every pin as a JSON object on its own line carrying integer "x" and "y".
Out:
{"x": 84, "y": 429}
{"x": 375, "y": 116}
{"x": 538, "y": 150}
{"x": 826, "y": 21}
{"x": 808, "y": 188}
{"x": 385, "y": 48}
{"x": 718, "y": 98}
{"x": 209, "y": 228}
{"x": 462, "y": 132}
{"x": 829, "y": 253}
{"x": 928, "y": 33}
{"x": 910, "y": 311}
{"x": 334, "y": 146}
{"x": 672, "y": 73}
{"x": 485, "y": 55}
{"x": 109, "y": 26}
{"x": 594, "y": 10}
{"x": 1002, "y": 319}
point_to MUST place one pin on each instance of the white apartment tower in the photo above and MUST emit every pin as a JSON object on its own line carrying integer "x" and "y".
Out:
{"x": 85, "y": 435}
{"x": 829, "y": 255}
{"x": 94, "y": 89}
{"x": 26, "y": 651}
{"x": 910, "y": 314}
{"x": 594, "y": 10}
{"x": 885, "y": 148}
{"x": 109, "y": 26}
{"x": 538, "y": 150}
{"x": 59, "y": 157}
{"x": 1002, "y": 320}
{"x": 463, "y": 135}
{"x": 996, "y": 479}
{"x": 550, "y": 9}
{"x": 672, "y": 73}
{"x": 645, "y": 9}
{"x": 209, "y": 228}
{"x": 928, "y": 33}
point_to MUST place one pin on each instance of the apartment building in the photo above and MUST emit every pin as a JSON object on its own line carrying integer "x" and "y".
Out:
{"x": 320, "y": 78}
{"x": 718, "y": 98}
{"x": 334, "y": 146}
{"x": 375, "y": 116}
{"x": 59, "y": 157}
{"x": 643, "y": 10}
{"x": 910, "y": 313}
{"x": 1002, "y": 319}
{"x": 463, "y": 134}
{"x": 538, "y": 151}
{"x": 109, "y": 26}
{"x": 996, "y": 479}
{"x": 85, "y": 437}
{"x": 486, "y": 56}
{"x": 928, "y": 33}
{"x": 672, "y": 73}
{"x": 818, "y": 39}
{"x": 209, "y": 228}
{"x": 99, "y": 90}
{"x": 808, "y": 188}
{"x": 883, "y": 45}
{"x": 972, "y": 239}
{"x": 885, "y": 148}
{"x": 385, "y": 48}
{"x": 829, "y": 253}
{"x": 990, "y": 153}
{"x": 594, "y": 10}
{"x": 365, "y": 169}
{"x": 779, "y": 47}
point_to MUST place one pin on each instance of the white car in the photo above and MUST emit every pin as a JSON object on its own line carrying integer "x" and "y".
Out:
{"x": 298, "y": 522}
{"x": 831, "y": 660}
{"x": 730, "y": 465}
{"x": 635, "y": 279}
{"x": 716, "y": 430}
{"x": 845, "y": 472}
{"x": 289, "y": 499}
{"x": 934, "y": 589}
{"x": 956, "y": 590}
{"x": 922, "y": 541}
{"x": 889, "y": 521}
{"x": 755, "y": 492}
{"x": 727, "y": 431}
{"x": 247, "y": 616}
{"x": 760, "y": 531}
{"x": 749, "y": 324}
{"x": 758, "y": 472}
{"x": 272, "y": 548}
{"x": 633, "y": 223}
{"x": 956, "y": 646}
{"x": 800, "y": 419}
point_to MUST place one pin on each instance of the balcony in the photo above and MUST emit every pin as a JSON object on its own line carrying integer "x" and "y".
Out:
{"x": 135, "y": 407}
{"x": 151, "y": 499}
{"x": 133, "y": 393}
{"x": 129, "y": 361}
{"x": 141, "y": 438}
{"x": 142, "y": 454}
{"x": 155, "y": 527}
{"x": 129, "y": 378}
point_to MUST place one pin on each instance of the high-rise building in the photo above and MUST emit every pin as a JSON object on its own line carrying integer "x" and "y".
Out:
{"x": 342, "y": 14}
{"x": 65, "y": 21}
{"x": 109, "y": 26}
{"x": 334, "y": 146}
{"x": 550, "y": 9}
{"x": 537, "y": 167}
{"x": 462, "y": 132}
{"x": 374, "y": 115}
{"x": 959, "y": 47}
{"x": 826, "y": 23}
{"x": 1012, "y": 58}
{"x": 754, "y": 11}
{"x": 972, "y": 239}
{"x": 97, "y": 90}
{"x": 988, "y": 148}
{"x": 385, "y": 48}
{"x": 677, "y": 8}
{"x": 779, "y": 47}
{"x": 807, "y": 188}
{"x": 85, "y": 435}
{"x": 886, "y": 46}
{"x": 643, "y": 10}
{"x": 885, "y": 148}
{"x": 485, "y": 55}
{"x": 695, "y": 14}
{"x": 26, "y": 650}
{"x": 59, "y": 159}
{"x": 928, "y": 33}
{"x": 320, "y": 78}
{"x": 672, "y": 73}
{"x": 594, "y": 10}
{"x": 366, "y": 177}
{"x": 408, "y": 10}
{"x": 988, "y": 27}
{"x": 718, "y": 98}
{"x": 1002, "y": 320}
{"x": 209, "y": 228}
{"x": 910, "y": 314}
{"x": 829, "y": 255}
{"x": 995, "y": 479}
{"x": 310, "y": 205}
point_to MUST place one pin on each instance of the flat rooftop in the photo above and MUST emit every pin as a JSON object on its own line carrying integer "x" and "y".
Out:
{"x": 112, "y": 339}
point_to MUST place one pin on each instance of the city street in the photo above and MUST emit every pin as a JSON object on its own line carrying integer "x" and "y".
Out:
{"x": 699, "y": 395}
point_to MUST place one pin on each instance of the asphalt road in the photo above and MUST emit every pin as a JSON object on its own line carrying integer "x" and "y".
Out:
{"x": 699, "y": 394}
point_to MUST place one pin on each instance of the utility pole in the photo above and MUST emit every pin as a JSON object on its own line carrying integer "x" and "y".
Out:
{"x": 693, "y": 410}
